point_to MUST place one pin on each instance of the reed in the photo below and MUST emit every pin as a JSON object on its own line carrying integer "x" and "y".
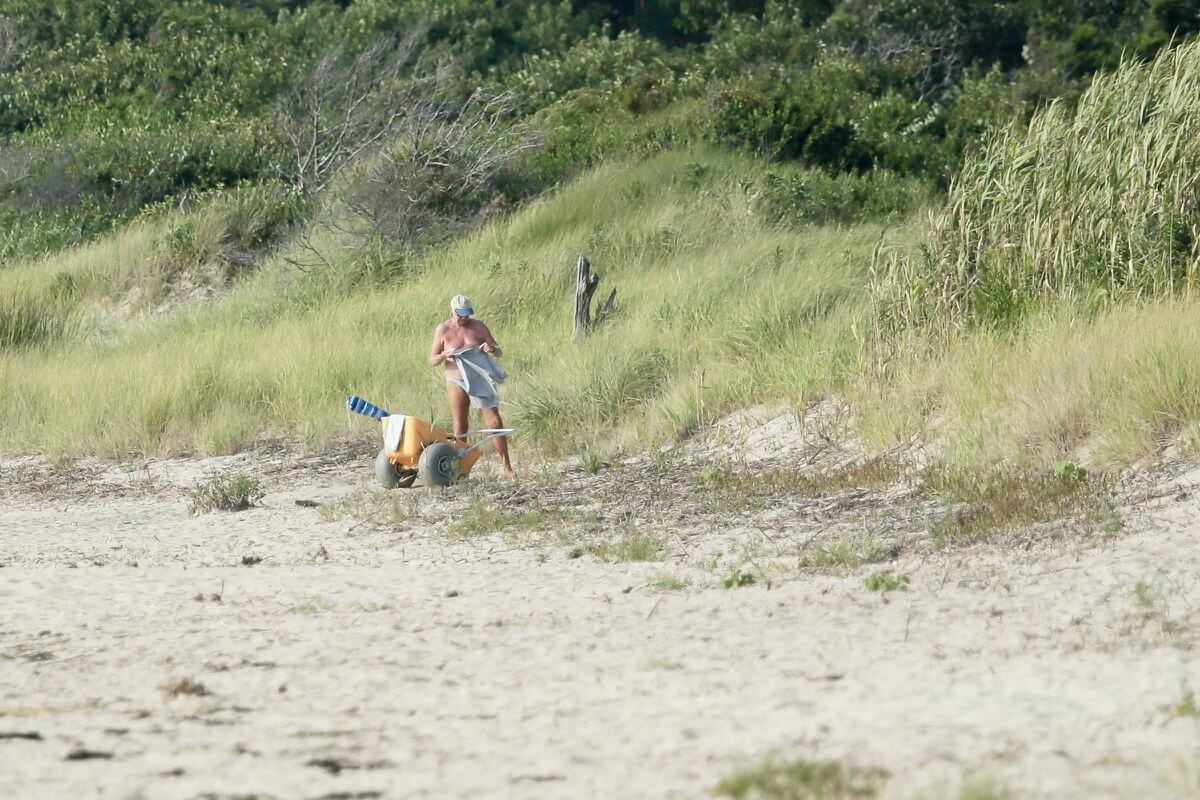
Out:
{"x": 1097, "y": 206}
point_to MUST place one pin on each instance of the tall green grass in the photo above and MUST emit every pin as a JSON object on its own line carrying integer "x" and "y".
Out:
{"x": 1099, "y": 205}
{"x": 81, "y": 293}
{"x": 1104, "y": 388}
{"x": 716, "y": 308}
{"x": 1048, "y": 314}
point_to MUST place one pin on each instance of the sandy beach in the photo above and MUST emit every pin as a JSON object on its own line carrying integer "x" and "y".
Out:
{"x": 289, "y": 652}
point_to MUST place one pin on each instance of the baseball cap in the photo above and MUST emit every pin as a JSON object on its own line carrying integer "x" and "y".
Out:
{"x": 461, "y": 305}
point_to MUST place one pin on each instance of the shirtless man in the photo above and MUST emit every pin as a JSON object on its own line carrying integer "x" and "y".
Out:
{"x": 455, "y": 333}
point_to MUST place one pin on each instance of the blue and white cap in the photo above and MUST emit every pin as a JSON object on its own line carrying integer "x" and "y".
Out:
{"x": 461, "y": 305}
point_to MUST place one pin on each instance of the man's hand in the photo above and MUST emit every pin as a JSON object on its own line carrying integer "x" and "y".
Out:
{"x": 487, "y": 348}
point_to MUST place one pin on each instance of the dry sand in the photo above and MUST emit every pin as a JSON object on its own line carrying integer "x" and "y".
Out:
{"x": 140, "y": 657}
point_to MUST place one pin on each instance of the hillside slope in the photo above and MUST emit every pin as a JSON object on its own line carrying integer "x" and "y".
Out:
{"x": 716, "y": 307}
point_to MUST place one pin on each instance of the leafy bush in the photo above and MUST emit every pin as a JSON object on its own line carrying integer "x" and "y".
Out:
{"x": 585, "y": 128}
{"x": 131, "y": 168}
{"x": 816, "y": 197}
{"x": 803, "y": 115}
{"x": 636, "y": 72}
{"x": 836, "y": 115}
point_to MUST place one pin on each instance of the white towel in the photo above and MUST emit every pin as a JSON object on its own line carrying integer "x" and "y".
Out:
{"x": 480, "y": 374}
{"x": 393, "y": 430}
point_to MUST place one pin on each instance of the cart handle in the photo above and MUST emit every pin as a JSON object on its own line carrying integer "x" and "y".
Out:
{"x": 492, "y": 433}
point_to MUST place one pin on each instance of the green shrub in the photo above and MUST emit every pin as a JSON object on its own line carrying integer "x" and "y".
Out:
{"x": 630, "y": 69}
{"x": 590, "y": 460}
{"x": 814, "y": 197}
{"x": 840, "y": 114}
{"x": 1069, "y": 472}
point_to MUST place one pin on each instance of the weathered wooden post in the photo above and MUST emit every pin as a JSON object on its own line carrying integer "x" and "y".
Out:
{"x": 585, "y": 287}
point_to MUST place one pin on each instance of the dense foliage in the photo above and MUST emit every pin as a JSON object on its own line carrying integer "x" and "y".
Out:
{"x": 114, "y": 108}
{"x": 1099, "y": 205}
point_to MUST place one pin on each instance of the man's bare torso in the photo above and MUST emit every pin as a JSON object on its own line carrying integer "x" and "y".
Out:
{"x": 457, "y": 337}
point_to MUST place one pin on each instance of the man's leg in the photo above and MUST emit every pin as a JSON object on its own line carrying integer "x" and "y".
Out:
{"x": 491, "y": 417}
{"x": 460, "y": 405}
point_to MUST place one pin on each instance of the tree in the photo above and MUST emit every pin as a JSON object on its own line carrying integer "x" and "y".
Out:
{"x": 346, "y": 108}
{"x": 432, "y": 178}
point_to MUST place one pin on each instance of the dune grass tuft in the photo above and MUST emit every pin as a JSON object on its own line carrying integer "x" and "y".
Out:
{"x": 233, "y": 491}
{"x": 803, "y": 779}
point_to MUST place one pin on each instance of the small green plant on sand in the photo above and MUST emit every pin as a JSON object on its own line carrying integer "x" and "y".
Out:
{"x": 1069, "y": 472}
{"x": 1147, "y": 597}
{"x": 1187, "y": 706}
{"x": 228, "y": 492}
{"x": 486, "y": 518}
{"x": 885, "y": 582}
{"x": 590, "y": 460}
{"x": 632, "y": 545}
{"x": 850, "y": 551}
{"x": 971, "y": 788}
{"x": 803, "y": 780}
{"x": 1151, "y": 608}
{"x": 666, "y": 582}
{"x": 738, "y": 576}
{"x": 712, "y": 476}
{"x": 375, "y": 508}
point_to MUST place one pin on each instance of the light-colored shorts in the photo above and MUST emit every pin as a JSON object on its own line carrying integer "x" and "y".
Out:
{"x": 455, "y": 380}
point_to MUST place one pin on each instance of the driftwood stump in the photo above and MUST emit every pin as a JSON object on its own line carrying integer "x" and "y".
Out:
{"x": 585, "y": 287}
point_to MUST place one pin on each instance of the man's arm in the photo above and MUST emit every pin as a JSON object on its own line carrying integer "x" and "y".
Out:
{"x": 489, "y": 341}
{"x": 437, "y": 353}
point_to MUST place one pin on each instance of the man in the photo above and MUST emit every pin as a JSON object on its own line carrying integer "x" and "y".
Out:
{"x": 458, "y": 333}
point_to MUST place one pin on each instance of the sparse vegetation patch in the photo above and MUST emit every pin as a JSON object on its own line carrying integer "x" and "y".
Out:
{"x": 742, "y": 487}
{"x": 1187, "y": 705}
{"x": 667, "y": 582}
{"x": 846, "y": 552}
{"x": 233, "y": 491}
{"x": 738, "y": 576}
{"x": 885, "y": 582}
{"x": 631, "y": 545}
{"x": 186, "y": 686}
{"x": 373, "y": 507}
{"x": 983, "y": 504}
{"x": 803, "y": 779}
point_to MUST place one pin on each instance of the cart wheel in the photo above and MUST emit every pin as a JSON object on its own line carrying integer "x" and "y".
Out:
{"x": 387, "y": 472}
{"x": 439, "y": 464}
